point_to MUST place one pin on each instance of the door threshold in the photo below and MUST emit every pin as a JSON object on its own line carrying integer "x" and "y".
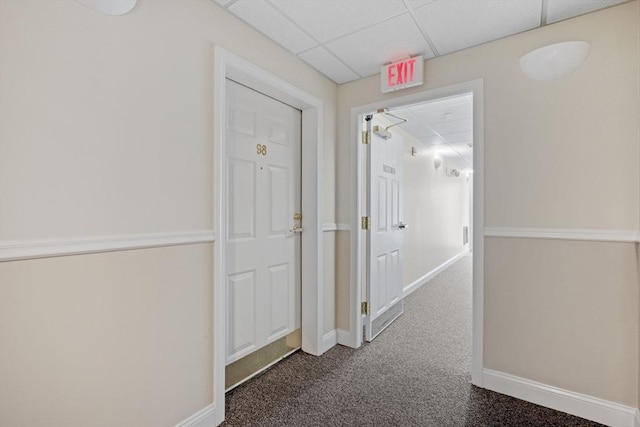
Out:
{"x": 261, "y": 370}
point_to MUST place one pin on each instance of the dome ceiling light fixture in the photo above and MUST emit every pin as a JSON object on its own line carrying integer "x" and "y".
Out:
{"x": 109, "y": 7}
{"x": 554, "y": 61}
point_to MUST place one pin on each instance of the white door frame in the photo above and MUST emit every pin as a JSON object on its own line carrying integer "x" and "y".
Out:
{"x": 228, "y": 65}
{"x": 358, "y": 186}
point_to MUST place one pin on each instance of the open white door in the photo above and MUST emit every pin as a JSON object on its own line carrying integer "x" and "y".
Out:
{"x": 386, "y": 228}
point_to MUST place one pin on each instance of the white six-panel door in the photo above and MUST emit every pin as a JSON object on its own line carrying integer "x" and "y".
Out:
{"x": 263, "y": 194}
{"x": 384, "y": 248}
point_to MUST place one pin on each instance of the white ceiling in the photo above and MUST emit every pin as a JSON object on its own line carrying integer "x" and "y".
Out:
{"x": 350, "y": 39}
{"x": 444, "y": 127}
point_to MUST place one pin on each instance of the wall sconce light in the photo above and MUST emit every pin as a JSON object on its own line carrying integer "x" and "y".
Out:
{"x": 554, "y": 61}
{"x": 109, "y": 7}
{"x": 437, "y": 161}
{"x": 453, "y": 172}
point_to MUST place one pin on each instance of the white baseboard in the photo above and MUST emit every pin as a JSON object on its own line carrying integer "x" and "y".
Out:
{"x": 329, "y": 340}
{"x": 411, "y": 287}
{"x": 637, "y": 418}
{"x": 203, "y": 418}
{"x": 346, "y": 338}
{"x": 584, "y": 406}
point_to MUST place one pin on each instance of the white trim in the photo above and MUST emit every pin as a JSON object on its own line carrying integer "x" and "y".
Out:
{"x": 329, "y": 227}
{"x": 346, "y": 338}
{"x": 29, "y": 249}
{"x": 584, "y": 406}
{"x": 228, "y": 65}
{"x": 357, "y": 210}
{"x": 329, "y": 340}
{"x": 637, "y": 418}
{"x": 335, "y": 227}
{"x": 625, "y": 236}
{"x": 433, "y": 273}
{"x": 203, "y": 418}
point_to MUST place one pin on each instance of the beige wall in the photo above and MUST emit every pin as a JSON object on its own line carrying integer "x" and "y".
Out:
{"x": 100, "y": 112}
{"x": 561, "y": 154}
{"x": 559, "y": 319}
{"x": 436, "y": 207}
{"x": 121, "y": 338}
{"x": 106, "y": 127}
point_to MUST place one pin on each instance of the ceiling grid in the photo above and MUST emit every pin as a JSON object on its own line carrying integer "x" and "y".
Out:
{"x": 350, "y": 39}
{"x": 347, "y": 40}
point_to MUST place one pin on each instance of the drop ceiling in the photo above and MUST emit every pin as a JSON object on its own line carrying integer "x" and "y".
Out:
{"x": 350, "y": 39}
{"x": 443, "y": 127}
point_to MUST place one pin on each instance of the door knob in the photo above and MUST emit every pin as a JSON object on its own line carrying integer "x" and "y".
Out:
{"x": 402, "y": 225}
{"x": 296, "y": 229}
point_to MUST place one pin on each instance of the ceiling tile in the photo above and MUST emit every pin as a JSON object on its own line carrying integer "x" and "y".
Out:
{"x": 557, "y": 10}
{"x": 462, "y": 148}
{"x": 414, "y": 4}
{"x": 445, "y": 114}
{"x": 272, "y": 24}
{"x": 453, "y": 127}
{"x": 458, "y": 24}
{"x": 320, "y": 59}
{"x": 459, "y": 137}
{"x": 368, "y": 50}
{"x": 329, "y": 19}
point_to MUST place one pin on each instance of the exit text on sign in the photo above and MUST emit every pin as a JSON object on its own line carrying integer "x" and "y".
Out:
{"x": 402, "y": 74}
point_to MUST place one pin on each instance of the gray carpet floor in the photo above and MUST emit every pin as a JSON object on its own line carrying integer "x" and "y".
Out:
{"x": 415, "y": 373}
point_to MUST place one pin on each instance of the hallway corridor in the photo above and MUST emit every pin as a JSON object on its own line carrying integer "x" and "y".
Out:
{"x": 416, "y": 373}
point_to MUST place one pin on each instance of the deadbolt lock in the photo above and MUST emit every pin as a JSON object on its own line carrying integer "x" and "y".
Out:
{"x": 297, "y": 217}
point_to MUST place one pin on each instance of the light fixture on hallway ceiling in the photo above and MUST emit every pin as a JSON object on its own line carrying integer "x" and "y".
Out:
{"x": 554, "y": 61}
{"x": 453, "y": 172}
{"x": 382, "y": 131}
{"x": 109, "y": 7}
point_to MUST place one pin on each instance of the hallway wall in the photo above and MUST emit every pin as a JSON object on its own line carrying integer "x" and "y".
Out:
{"x": 436, "y": 207}
{"x": 559, "y": 155}
{"x": 106, "y": 128}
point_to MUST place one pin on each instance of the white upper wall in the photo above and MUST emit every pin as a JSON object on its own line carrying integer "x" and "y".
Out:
{"x": 106, "y": 122}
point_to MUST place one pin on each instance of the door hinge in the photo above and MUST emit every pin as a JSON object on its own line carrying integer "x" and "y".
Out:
{"x": 366, "y": 137}
{"x": 364, "y": 307}
{"x": 365, "y": 222}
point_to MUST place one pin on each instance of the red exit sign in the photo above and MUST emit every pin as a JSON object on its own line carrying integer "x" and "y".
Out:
{"x": 402, "y": 74}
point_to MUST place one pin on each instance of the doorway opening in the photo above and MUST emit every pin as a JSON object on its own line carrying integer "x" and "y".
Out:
{"x": 445, "y": 130}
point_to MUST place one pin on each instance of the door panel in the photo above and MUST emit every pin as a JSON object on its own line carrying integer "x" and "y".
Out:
{"x": 241, "y": 200}
{"x": 241, "y": 293}
{"x": 262, "y": 255}
{"x": 384, "y": 238}
{"x": 279, "y": 212}
{"x": 279, "y": 284}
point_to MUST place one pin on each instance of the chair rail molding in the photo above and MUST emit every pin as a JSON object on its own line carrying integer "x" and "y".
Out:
{"x": 331, "y": 226}
{"x": 594, "y": 235}
{"x": 13, "y": 250}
